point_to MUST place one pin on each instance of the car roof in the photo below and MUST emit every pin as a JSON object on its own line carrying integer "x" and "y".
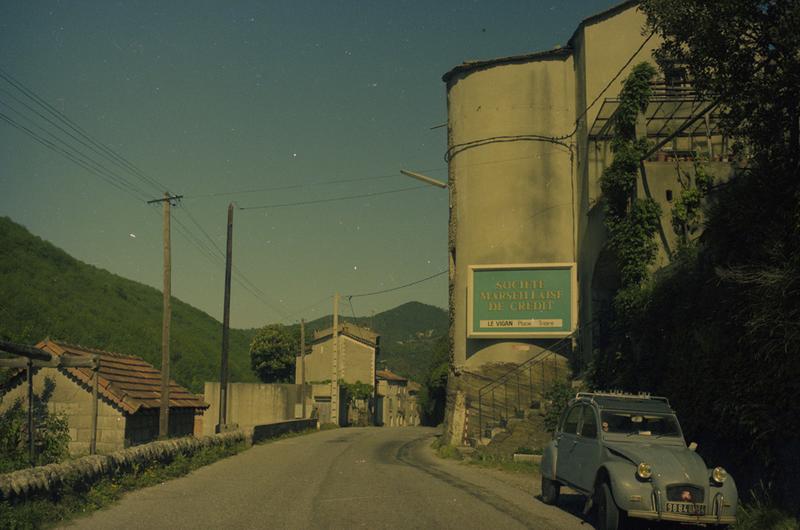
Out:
{"x": 632, "y": 402}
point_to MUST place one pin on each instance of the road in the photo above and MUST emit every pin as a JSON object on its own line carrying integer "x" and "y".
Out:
{"x": 342, "y": 478}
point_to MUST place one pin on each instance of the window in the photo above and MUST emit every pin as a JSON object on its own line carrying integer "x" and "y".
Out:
{"x": 571, "y": 422}
{"x": 589, "y": 427}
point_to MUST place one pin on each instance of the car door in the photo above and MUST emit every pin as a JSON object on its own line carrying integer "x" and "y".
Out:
{"x": 567, "y": 439}
{"x": 586, "y": 450}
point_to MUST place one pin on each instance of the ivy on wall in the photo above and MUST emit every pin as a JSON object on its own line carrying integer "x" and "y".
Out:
{"x": 631, "y": 222}
{"x": 687, "y": 214}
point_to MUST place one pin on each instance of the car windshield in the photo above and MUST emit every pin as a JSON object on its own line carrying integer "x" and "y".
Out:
{"x": 629, "y": 423}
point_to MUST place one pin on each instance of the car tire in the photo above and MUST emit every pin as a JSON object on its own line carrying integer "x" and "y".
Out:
{"x": 550, "y": 491}
{"x": 609, "y": 516}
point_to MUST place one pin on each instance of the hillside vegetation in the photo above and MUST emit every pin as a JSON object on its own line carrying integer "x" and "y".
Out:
{"x": 45, "y": 292}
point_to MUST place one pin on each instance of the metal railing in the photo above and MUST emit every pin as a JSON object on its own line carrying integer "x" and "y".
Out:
{"x": 523, "y": 380}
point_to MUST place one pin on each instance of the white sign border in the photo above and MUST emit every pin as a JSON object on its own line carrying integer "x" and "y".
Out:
{"x": 573, "y": 268}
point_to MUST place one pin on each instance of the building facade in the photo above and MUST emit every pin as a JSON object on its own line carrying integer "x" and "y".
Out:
{"x": 129, "y": 399}
{"x": 352, "y": 361}
{"x": 528, "y": 139}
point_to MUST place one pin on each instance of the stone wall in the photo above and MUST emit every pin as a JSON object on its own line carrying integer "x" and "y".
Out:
{"x": 47, "y": 479}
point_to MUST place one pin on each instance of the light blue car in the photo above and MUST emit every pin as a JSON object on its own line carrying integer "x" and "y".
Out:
{"x": 626, "y": 453}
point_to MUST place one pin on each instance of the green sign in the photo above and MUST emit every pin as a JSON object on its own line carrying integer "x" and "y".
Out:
{"x": 522, "y": 300}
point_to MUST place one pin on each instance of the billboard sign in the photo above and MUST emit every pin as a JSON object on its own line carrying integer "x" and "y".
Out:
{"x": 531, "y": 300}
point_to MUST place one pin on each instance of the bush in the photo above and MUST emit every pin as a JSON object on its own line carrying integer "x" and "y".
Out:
{"x": 51, "y": 433}
{"x": 556, "y": 399}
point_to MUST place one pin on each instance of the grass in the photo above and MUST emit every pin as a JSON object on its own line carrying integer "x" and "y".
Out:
{"x": 444, "y": 450}
{"x": 486, "y": 460}
{"x": 80, "y": 499}
{"x": 761, "y": 513}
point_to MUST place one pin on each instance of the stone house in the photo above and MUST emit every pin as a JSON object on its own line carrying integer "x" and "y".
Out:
{"x": 396, "y": 400}
{"x": 357, "y": 348}
{"x": 129, "y": 398}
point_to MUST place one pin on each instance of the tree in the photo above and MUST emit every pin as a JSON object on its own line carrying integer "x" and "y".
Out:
{"x": 433, "y": 396}
{"x": 272, "y": 353}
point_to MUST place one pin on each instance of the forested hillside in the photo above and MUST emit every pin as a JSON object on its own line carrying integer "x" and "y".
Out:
{"x": 45, "y": 292}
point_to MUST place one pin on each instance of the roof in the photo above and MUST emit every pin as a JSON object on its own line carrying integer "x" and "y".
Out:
{"x": 128, "y": 382}
{"x": 388, "y": 375}
{"x": 627, "y": 402}
{"x": 556, "y": 53}
{"x": 470, "y": 66}
{"x": 364, "y": 335}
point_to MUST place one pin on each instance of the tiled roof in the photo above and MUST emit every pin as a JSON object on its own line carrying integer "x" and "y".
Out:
{"x": 389, "y": 376}
{"x": 351, "y": 330}
{"x": 129, "y": 382}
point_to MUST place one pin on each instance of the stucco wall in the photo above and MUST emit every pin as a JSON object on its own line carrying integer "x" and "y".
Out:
{"x": 251, "y": 404}
{"x": 356, "y": 362}
{"x": 399, "y": 408}
{"x": 513, "y": 200}
{"x": 76, "y": 403}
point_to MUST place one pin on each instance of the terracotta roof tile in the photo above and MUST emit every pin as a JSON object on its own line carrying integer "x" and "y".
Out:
{"x": 389, "y": 376}
{"x": 129, "y": 382}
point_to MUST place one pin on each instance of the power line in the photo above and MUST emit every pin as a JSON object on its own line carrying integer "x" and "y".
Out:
{"x": 399, "y": 286}
{"x": 331, "y": 199}
{"x": 457, "y": 148}
{"x": 239, "y": 276}
{"x": 76, "y": 152}
{"x": 303, "y": 185}
{"x": 63, "y": 118}
{"x": 55, "y": 148}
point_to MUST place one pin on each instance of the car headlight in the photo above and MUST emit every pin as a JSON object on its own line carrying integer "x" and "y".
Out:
{"x": 643, "y": 471}
{"x": 718, "y": 474}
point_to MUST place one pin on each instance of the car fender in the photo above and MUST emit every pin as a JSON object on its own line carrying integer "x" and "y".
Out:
{"x": 629, "y": 492}
{"x": 730, "y": 495}
{"x": 548, "y": 464}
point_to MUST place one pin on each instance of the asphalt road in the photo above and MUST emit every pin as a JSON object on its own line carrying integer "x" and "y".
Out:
{"x": 343, "y": 478}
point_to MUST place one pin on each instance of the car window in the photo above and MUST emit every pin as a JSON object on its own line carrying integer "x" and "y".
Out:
{"x": 571, "y": 423}
{"x": 589, "y": 426}
{"x": 640, "y": 423}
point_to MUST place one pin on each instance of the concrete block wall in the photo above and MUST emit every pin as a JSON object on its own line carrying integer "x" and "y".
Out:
{"x": 251, "y": 404}
{"x": 75, "y": 402}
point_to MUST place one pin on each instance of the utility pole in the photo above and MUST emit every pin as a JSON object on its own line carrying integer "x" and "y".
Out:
{"x": 335, "y": 367}
{"x": 163, "y": 416}
{"x": 303, "y": 364}
{"x": 226, "y": 316}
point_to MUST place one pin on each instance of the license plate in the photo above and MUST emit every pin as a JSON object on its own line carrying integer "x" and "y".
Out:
{"x": 687, "y": 508}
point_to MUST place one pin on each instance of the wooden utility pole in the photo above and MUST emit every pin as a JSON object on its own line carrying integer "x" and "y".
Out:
{"x": 335, "y": 367}
{"x": 303, "y": 364}
{"x": 163, "y": 416}
{"x": 226, "y": 318}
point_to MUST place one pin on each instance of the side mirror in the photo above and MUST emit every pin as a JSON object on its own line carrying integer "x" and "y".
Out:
{"x": 693, "y": 446}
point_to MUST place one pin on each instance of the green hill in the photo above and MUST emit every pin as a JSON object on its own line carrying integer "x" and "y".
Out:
{"x": 408, "y": 335}
{"x": 45, "y": 292}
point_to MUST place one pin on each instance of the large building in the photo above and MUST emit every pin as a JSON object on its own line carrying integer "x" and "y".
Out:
{"x": 528, "y": 139}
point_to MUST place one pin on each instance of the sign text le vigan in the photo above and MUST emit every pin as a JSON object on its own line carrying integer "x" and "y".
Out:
{"x": 522, "y": 300}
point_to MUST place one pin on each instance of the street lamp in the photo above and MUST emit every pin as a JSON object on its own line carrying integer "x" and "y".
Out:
{"x": 423, "y": 178}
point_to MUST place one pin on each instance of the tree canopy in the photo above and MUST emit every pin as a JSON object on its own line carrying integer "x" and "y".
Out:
{"x": 272, "y": 353}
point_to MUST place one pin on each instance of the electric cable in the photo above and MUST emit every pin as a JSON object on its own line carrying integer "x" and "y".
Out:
{"x": 399, "y": 286}
{"x": 331, "y": 199}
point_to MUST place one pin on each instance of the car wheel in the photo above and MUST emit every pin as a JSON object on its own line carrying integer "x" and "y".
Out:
{"x": 608, "y": 515}
{"x": 550, "y": 491}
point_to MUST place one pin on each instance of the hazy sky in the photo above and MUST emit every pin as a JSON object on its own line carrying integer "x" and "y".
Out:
{"x": 209, "y": 98}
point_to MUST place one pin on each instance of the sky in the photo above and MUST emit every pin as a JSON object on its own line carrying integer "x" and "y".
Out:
{"x": 260, "y": 104}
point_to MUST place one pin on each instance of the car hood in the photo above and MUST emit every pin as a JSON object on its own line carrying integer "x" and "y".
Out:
{"x": 670, "y": 463}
